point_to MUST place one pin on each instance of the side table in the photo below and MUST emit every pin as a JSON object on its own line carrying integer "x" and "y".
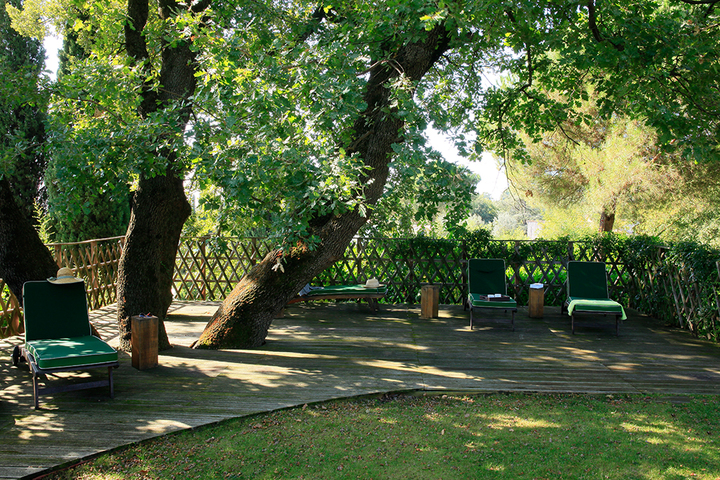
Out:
{"x": 429, "y": 299}
{"x": 536, "y": 300}
{"x": 144, "y": 340}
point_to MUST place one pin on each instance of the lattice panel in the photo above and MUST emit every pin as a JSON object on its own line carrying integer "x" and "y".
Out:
{"x": 209, "y": 268}
{"x": 95, "y": 261}
{"x": 689, "y": 298}
{"x": 11, "y": 322}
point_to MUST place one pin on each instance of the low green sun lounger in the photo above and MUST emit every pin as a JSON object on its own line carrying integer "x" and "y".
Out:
{"x": 58, "y": 337}
{"x": 587, "y": 292}
{"x": 486, "y": 278}
{"x": 345, "y": 292}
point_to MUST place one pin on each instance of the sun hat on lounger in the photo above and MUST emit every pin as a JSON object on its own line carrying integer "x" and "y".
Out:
{"x": 372, "y": 283}
{"x": 64, "y": 275}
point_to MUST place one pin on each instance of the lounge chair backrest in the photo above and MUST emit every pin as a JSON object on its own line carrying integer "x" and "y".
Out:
{"x": 486, "y": 276}
{"x": 587, "y": 280}
{"x": 55, "y": 310}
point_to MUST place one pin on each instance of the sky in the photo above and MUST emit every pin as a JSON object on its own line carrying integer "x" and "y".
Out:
{"x": 492, "y": 179}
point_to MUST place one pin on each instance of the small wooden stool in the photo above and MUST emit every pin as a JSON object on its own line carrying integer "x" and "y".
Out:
{"x": 429, "y": 299}
{"x": 144, "y": 340}
{"x": 536, "y": 302}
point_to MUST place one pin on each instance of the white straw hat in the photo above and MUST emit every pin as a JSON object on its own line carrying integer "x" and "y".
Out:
{"x": 372, "y": 283}
{"x": 64, "y": 275}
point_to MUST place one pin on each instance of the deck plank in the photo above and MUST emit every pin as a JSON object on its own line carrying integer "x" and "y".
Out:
{"x": 323, "y": 351}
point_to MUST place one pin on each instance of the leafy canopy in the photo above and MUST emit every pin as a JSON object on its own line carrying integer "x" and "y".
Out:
{"x": 280, "y": 85}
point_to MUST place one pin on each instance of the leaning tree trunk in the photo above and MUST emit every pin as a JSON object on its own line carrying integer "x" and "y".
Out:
{"x": 144, "y": 284}
{"x": 23, "y": 256}
{"x": 245, "y": 316}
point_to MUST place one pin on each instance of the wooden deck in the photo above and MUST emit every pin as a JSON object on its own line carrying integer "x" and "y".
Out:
{"x": 324, "y": 351}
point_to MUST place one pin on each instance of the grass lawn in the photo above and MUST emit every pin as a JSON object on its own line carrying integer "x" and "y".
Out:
{"x": 533, "y": 436}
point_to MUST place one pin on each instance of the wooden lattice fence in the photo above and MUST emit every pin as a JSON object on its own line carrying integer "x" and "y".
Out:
{"x": 207, "y": 269}
{"x": 11, "y": 322}
{"x": 95, "y": 261}
{"x": 657, "y": 281}
{"x": 687, "y": 298}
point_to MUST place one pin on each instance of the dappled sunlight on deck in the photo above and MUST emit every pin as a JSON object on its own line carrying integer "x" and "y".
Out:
{"x": 161, "y": 426}
{"x": 323, "y": 351}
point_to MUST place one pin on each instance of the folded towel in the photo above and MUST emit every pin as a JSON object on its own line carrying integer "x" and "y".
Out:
{"x": 307, "y": 289}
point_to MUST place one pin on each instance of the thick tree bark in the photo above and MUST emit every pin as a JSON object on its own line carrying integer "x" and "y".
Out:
{"x": 23, "y": 256}
{"x": 145, "y": 273}
{"x": 245, "y": 316}
{"x": 607, "y": 221}
{"x": 607, "y": 217}
{"x": 160, "y": 206}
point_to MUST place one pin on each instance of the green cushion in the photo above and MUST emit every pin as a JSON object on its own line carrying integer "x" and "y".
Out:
{"x": 474, "y": 299}
{"x": 347, "y": 290}
{"x": 594, "y": 305}
{"x": 587, "y": 280}
{"x": 71, "y": 352}
{"x": 486, "y": 276}
{"x": 55, "y": 310}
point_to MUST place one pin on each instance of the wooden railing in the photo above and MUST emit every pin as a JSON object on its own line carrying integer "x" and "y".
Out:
{"x": 95, "y": 261}
{"x": 11, "y": 322}
{"x": 208, "y": 268}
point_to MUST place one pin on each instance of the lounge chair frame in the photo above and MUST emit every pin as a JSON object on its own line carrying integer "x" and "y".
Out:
{"x": 359, "y": 292}
{"x": 77, "y": 316}
{"x": 488, "y": 266}
{"x": 600, "y": 293}
{"x": 37, "y": 372}
{"x": 594, "y": 312}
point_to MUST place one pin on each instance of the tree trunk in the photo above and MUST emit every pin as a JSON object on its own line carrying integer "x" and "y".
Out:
{"x": 607, "y": 218}
{"x": 23, "y": 256}
{"x": 245, "y": 316}
{"x": 145, "y": 273}
{"x": 607, "y": 221}
{"x": 160, "y": 206}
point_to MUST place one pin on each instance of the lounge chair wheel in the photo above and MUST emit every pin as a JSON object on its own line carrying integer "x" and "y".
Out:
{"x": 16, "y": 356}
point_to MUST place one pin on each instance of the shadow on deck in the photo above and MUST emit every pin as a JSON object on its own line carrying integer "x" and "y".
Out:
{"x": 325, "y": 351}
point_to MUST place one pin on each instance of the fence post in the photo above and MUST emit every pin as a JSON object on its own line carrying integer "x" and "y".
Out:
{"x": 463, "y": 271}
{"x": 203, "y": 267}
{"x": 58, "y": 255}
{"x": 93, "y": 273}
{"x": 516, "y": 269}
{"x": 717, "y": 304}
{"x": 358, "y": 260}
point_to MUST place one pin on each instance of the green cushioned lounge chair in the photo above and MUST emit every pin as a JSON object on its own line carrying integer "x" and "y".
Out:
{"x": 345, "y": 292}
{"x": 58, "y": 336}
{"x": 486, "y": 277}
{"x": 587, "y": 292}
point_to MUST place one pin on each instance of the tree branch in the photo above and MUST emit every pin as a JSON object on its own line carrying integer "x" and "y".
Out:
{"x": 592, "y": 23}
{"x": 710, "y": 3}
{"x": 136, "y": 47}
